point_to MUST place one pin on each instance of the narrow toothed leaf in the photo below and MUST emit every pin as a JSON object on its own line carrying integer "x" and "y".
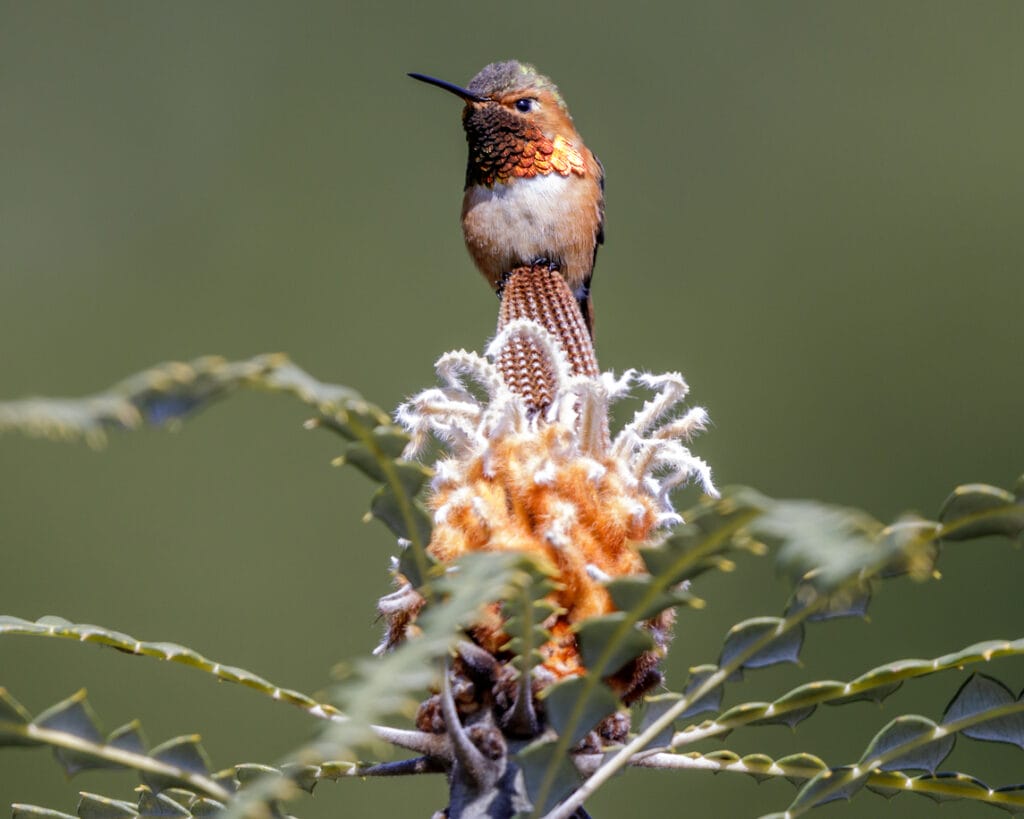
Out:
{"x": 128, "y": 738}
{"x": 73, "y": 716}
{"x": 758, "y": 765}
{"x": 14, "y": 720}
{"x": 567, "y": 702}
{"x": 828, "y": 786}
{"x": 206, "y": 808}
{"x": 651, "y": 709}
{"x": 978, "y": 510}
{"x": 397, "y": 514}
{"x": 709, "y": 702}
{"x": 948, "y": 786}
{"x": 305, "y": 776}
{"x": 608, "y": 642}
{"x": 183, "y": 752}
{"x": 544, "y": 767}
{"x": 743, "y": 643}
{"x": 927, "y": 746}
{"x": 160, "y": 806}
{"x": 631, "y": 591}
{"x": 801, "y": 767}
{"x": 19, "y": 811}
{"x": 844, "y": 602}
{"x": 981, "y": 694}
{"x": 251, "y": 772}
{"x": 94, "y": 806}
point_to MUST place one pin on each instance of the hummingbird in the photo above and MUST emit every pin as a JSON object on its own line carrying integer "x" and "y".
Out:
{"x": 534, "y": 192}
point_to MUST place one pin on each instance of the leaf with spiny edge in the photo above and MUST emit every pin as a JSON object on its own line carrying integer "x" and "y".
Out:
{"x": 872, "y": 686}
{"x": 14, "y": 719}
{"x": 742, "y": 643}
{"x": 95, "y": 806}
{"x": 70, "y": 728}
{"x": 609, "y": 641}
{"x": 544, "y": 766}
{"x": 981, "y": 693}
{"x": 168, "y": 393}
{"x": 651, "y": 708}
{"x": 978, "y": 510}
{"x": 184, "y": 753}
{"x": 929, "y": 746}
{"x": 52, "y": 626}
{"x": 525, "y": 612}
{"x": 395, "y": 683}
{"x": 711, "y": 701}
{"x": 573, "y": 708}
{"x": 20, "y": 811}
{"x": 630, "y": 593}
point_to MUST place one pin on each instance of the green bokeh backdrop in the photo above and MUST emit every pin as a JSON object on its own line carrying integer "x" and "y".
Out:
{"x": 815, "y": 211}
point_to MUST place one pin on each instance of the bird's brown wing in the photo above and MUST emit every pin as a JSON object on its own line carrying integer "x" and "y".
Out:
{"x": 582, "y": 294}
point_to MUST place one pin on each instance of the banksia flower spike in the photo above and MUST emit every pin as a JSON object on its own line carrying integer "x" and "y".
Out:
{"x": 530, "y": 467}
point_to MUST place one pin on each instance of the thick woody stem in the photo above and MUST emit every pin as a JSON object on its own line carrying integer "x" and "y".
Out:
{"x": 539, "y": 293}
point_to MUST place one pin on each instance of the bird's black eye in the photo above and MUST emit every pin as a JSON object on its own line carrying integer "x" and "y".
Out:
{"x": 525, "y": 105}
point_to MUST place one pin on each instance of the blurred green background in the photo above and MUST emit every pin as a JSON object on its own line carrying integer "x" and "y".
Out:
{"x": 815, "y": 211}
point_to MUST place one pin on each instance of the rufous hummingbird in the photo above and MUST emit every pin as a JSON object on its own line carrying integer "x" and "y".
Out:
{"x": 534, "y": 192}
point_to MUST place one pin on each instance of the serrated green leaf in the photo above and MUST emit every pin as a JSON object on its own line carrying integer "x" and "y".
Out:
{"x": 94, "y": 806}
{"x": 160, "y": 806}
{"x": 182, "y": 752}
{"x": 628, "y": 593}
{"x": 928, "y": 745}
{"x": 743, "y": 637}
{"x": 653, "y": 708}
{"x": 386, "y": 507}
{"x": 14, "y": 719}
{"x": 828, "y": 786}
{"x": 20, "y": 811}
{"x": 980, "y": 694}
{"x": 709, "y": 702}
{"x": 205, "y": 808}
{"x": 568, "y": 702}
{"x": 75, "y": 717}
{"x": 128, "y": 738}
{"x": 607, "y": 643}
{"x": 251, "y": 771}
{"x": 541, "y": 761}
{"x": 978, "y": 510}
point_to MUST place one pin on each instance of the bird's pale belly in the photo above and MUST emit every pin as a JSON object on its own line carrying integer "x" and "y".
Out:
{"x": 543, "y": 217}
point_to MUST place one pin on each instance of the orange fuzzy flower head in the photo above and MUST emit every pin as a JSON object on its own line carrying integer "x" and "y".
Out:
{"x": 551, "y": 482}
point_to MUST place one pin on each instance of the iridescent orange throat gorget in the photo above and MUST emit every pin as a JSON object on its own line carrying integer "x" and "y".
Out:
{"x": 500, "y": 149}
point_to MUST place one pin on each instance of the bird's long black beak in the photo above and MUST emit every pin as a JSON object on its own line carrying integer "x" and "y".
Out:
{"x": 457, "y": 90}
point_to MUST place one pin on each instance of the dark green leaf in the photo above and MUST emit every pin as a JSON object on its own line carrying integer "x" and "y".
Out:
{"x": 183, "y": 752}
{"x": 630, "y": 591}
{"x": 566, "y": 701}
{"x": 978, "y": 510}
{"x": 540, "y": 762}
{"x": 828, "y": 786}
{"x": 926, "y": 752}
{"x": 36, "y": 812}
{"x": 981, "y": 693}
{"x": 652, "y": 708}
{"x": 93, "y": 806}
{"x": 609, "y": 641}
{"x": 742, "y": 643}
{"x": 128, "y": 738}
{"x": 13, "y": 721}
{"x": 160, "y": 806}
{"x": 711, "y": 701}
{"x": 386, "y": 507}
{"x": 74, "y": 716}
